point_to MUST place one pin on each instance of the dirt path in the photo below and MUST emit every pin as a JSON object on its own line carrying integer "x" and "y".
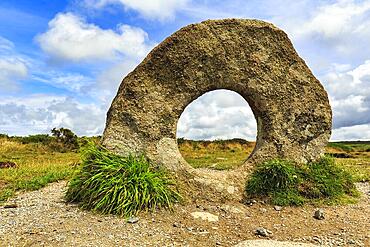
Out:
{"x": 42, "y": 218}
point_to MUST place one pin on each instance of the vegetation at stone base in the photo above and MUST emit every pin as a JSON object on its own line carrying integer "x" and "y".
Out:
{"x": 36, "y": 166}
{"x": 218, "y": 154}
{"x": 111, "y": 184}
{"x": 287, "y": 183}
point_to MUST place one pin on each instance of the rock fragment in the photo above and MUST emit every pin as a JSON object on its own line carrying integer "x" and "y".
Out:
{"x": 260, "y": 231}
{"x": 319, "y": 214}
{"x": 205, "y": 216}
{"x": 132, "y": 219}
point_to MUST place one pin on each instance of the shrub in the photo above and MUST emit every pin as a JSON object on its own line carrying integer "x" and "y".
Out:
{"x": 39, "y": 138}
{"x": 65, "y": 140}
{"x": 4, "y": 136}
{"x": 112, "y": 184}
{"x": 286, "y": 183}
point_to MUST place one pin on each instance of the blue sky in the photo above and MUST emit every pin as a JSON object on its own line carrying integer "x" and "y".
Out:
{"x": 62, "y": 61}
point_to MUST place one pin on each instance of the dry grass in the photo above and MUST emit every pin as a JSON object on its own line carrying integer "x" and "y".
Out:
{"x": 36, "y": 167}
{"x": 219, "y": 155}
{"x": 232, "y": 153}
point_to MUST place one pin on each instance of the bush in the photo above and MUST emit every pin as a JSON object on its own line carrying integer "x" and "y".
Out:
{"x": 65, "y": 140}
{"x": 39, "y": 138}
{"x": 286, "y": 183}
{"x": 112, "y": 184}
{"x": 4, "y": 136}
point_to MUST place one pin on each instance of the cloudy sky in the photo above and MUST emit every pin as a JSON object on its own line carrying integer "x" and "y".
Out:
{"x": 61, "y": 61}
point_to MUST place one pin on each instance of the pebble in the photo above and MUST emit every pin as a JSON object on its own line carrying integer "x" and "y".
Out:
{"x": 132, "y": 219}
{"x": 278, "y": 208}
{"x": 250, "y": 202}
{"x": 262, "y": 232}
{"x": 205, "y": 216}
{"x": 351, "y": 241}
{"x": 263, "y": 210}
{"x": 319, "y": 214}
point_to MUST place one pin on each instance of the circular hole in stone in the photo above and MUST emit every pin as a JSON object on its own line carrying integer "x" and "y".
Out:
{"x": 217, "y": 130}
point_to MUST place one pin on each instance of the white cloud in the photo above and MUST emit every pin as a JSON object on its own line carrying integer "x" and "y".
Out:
{"x": 153, "y": 9}
{"x": 12, "y": 66}
{"x": 349, "y": 92}
{"x": 354, "y": 133}
{"x": 11, "y": 70}
{"x": 40, "y": 113}
{"x": 71, "y": 38}
{"x": 219, "y": 114}
{"x": 338, "y": 19}
{"x": 73, "y": 82}
{"x": 337, "y": 25}
{"x": 5, "y": 45}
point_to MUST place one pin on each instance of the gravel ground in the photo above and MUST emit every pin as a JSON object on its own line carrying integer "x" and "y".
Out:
{"x": 42, "y": 218}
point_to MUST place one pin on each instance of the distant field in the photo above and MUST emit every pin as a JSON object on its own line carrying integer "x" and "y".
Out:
{"x": 38, "y": 165}
{"x": 220, "y": 154}
{"x": 226, "y": 154}
{"x": 355, "y": 156}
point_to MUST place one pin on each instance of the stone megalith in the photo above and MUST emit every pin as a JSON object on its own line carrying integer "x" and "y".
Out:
{"x": 251, "y": 57}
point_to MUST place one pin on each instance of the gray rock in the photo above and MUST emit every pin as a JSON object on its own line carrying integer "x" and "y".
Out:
{"x": 132, "y": 219}
{"x": 319, "y": 214}
{"x": 278, "y": 208}
{"x": 262, "y": 232}
{"x": 251, "y": 57}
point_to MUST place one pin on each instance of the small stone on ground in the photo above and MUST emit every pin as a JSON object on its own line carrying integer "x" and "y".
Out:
{"x": 260, "y": 231}
{"x": 205, "y": 216}
{"x": 132, "y": 219}
{"x": 319, "y": 214}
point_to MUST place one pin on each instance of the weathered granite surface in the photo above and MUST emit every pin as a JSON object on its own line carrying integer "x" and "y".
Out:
{"x": 251, "y": 57}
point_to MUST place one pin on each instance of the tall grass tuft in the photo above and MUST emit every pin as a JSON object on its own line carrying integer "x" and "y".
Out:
{"x": 112, "y": 184}
{"x": 286, "y": 183}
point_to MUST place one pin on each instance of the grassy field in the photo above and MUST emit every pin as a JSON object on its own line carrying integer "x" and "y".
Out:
{"x": 354, "y": 156}
{"x": 219, "y": 155}
{"x": 38, "y": 165}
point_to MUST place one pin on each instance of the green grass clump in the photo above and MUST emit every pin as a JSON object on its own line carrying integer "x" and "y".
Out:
{"x": 286, "y": 183}
{"x": 111, "y": 184}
